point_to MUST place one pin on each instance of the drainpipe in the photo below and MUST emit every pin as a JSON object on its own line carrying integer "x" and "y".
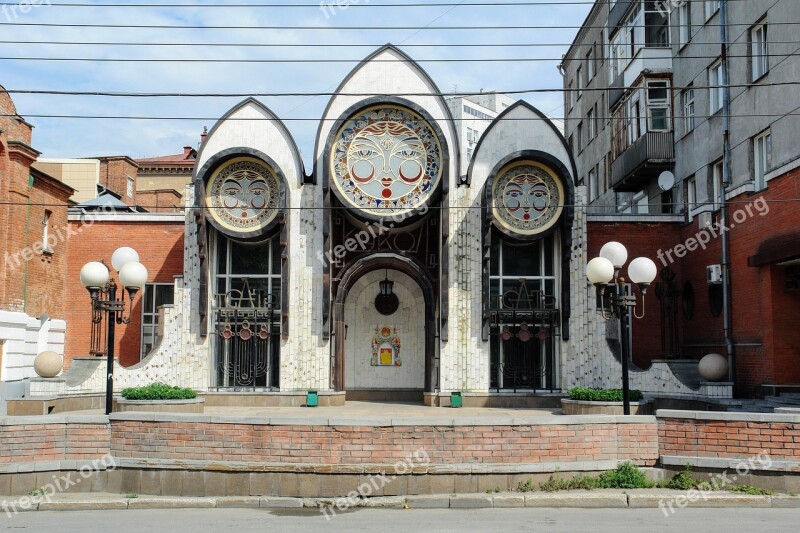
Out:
{"x": 726, "y": 181}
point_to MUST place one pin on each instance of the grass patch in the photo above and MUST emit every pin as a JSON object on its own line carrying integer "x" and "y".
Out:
{"x": 749, "y": 489}
{"x": 602, "y": 395}
{"x": 158, "y": 391}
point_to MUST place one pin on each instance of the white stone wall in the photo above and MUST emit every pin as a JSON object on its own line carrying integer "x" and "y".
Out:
{"x": 362, "y": 319}
{"x": 23, "y": 337}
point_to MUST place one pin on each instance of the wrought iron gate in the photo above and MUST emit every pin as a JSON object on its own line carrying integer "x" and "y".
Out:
{"x": 247, "y": 340}
{"x": 523, "y": 334}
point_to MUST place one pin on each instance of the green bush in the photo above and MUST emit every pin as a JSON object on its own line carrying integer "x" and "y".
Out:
{"x": 556, "y": 483}
{"x": 602, "y": 395}
{"x": 625, "y": 476}
{"x": 158, "y": 391}
{"x": 683, "y": 480}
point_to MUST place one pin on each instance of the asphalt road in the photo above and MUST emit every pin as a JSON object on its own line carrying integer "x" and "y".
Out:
{"x": 385, "y": 521}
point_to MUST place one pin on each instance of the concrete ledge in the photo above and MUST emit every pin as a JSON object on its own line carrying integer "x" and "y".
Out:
{"x": 792, "y": 418}
{"x": 488, "y": 420}
{"x": 471, "y": 501}
{"x": 428, "y": 502}
{"x": 583, "y": 499}
{"x": 583, "y": 407}
{"x": 53, "y": 419}
{"x": 88, "y": 504}
{"x": 730, "y": 463}
{"x": 194, "y": 405}
{"x": 172, "y": 503}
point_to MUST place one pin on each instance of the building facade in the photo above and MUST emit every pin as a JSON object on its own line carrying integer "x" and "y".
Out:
{"x": 392, "y": 269}
{"x": 671, "y": 175}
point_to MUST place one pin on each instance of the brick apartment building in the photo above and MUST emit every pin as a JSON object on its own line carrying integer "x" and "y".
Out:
{"x": 646, "y": 88}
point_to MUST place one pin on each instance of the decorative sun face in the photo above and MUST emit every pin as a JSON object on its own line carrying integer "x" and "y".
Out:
{"x": 242, "y": 195}
{"x": 386, "y": 161}
{"x": 527, "y": 198}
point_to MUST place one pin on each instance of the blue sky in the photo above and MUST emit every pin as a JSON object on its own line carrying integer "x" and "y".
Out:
{"x": 82, "y": 138}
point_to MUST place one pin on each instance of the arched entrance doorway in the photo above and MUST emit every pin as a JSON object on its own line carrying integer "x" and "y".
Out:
{"x": 384, "y": 347}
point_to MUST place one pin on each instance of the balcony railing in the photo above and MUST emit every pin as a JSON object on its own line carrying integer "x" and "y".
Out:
{"x": 652, "y": 152}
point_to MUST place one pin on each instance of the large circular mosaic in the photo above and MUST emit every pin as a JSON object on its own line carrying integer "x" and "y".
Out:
{"x": 527, "y": 198}
{"x": 386, "y": 161}
{"x": 242, "y": 196}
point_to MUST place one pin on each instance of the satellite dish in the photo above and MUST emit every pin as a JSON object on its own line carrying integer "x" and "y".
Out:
{"x": 666, "y": 180}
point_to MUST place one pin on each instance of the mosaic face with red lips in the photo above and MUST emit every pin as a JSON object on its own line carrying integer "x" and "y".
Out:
{"x": 386, "y": 161}
{"x": 242, "y": 195}
{"x": 527, "y": 198}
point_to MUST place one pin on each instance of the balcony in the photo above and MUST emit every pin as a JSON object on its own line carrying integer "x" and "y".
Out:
{"x": 644, "y": 160}
{"x": 618, "y": 12}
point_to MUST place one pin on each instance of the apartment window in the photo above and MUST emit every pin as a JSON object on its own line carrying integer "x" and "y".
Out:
{"x": 155, "y": 295}
{"x": 579, "y": 82}
{"x": 579, "y": 136}
{"x": 712, "y": 6}
{"x": 476, "y": 135}
{"x": 687, "y": 102}
{"x": 469, "y": 154}
{"x": 716, "y": 87}
{"x": 641, "y": 201}
{"x": 691, "y": 193}
{"x": 658, "y": 105}
{"x": 716, "y": 183}
{"x": 590, "y": 120}
{"x": 130, "y": 187}
{"x": 469, "y": 135}
{"x": 592, "y": 183}
{"x": 590, "y": 65}
{"x": 684, "y": 23}
{"x": 570, "y": 95}
{"x": 46, "y": 232}
{"x": 602, "y": 109}
{"x": 762, "y": 158}
{"x": 758, "y": 50}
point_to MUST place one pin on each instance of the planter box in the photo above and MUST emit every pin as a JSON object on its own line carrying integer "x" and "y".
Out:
{"x": 582, "y": 407}
{"x": 160, "y": 406}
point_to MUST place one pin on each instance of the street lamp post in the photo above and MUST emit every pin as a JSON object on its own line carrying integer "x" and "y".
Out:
{"x": 103, "y": 291}
{"x": 603, "y": 271}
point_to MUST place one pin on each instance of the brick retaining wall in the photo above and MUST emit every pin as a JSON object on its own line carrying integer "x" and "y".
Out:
{"x": 25, "y": 441}
{"x": 445, "y": 444}
{"x": 728, "y": 435}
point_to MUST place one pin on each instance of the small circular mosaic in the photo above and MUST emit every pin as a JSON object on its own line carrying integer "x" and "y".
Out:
{"x": 386, "y": 161}
{"x": 242, "y": 195}
{"x": 527, "y": 198}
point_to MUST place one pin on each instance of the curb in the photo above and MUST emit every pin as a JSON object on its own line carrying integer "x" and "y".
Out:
{"x": 667, "y": 501}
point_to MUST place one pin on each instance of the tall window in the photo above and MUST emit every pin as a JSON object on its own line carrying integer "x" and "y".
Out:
{"x": 684, "y": 23}
{"x": 691, "y": 193}
{"x": 579, "y": 79}
{"x": 658, "y": 105}
{"x": 570, "y": 95}
{"x": 762, "y": 157}
{"x": 46, "y": 232}
{"x": 155, "y": 295}
{"x": 687, "y": 102}
{"x": 590, "y": 65}
{"x": 716, "y": 87}
{"x": 590, "y": 120}
{"x": 716, "y": 183}
{"x": 579, "y": 137}
{"x": 131, "y": 184}
{"x": 592, "y": 182}
{"x": 758, "y": 50}
{"x": 712, "y": 6}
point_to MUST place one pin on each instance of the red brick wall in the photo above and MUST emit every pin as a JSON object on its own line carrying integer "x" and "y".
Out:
{"x": 160, "y": 247}
{"x": 641, "y": 239}
{"x": 30, "y": 281}
{"x": 53, "y": 442}
{"x": 726, "y": 438}
{"x": 114, "y": 173}
{"x": 357, "y": 445}
{"x": 161, "y": 201}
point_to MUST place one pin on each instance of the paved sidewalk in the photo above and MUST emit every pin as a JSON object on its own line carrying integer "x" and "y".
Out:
{"x": 666, "y": 500}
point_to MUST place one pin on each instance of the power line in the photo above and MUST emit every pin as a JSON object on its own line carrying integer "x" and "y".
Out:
{"x": 459, "y": 94}
{"x": 317, "y": 119}
{"x": 323, "y": 60}
{"x": 333, "y": 4}
{"x": 333, "y": 28}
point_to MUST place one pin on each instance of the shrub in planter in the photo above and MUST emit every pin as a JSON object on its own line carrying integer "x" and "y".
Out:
{"x": 158, "y": 391}
{"x": 602, "y": 395}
